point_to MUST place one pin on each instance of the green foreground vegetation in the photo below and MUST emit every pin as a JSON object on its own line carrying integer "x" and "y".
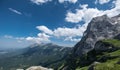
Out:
{"x": 111, "y": 59}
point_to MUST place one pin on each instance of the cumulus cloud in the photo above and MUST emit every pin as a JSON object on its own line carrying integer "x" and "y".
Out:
{"x": 39, "y": 2}
{"x": 101, "y": 1}
{"x": 68, "y": 34}
{"x": 114, "y": 11}
{"x": 43, "y": 35}
{"x": 74, "y": 18}
{"x": 37, "y": 39}
{"x": 44, "y": 29}
{"x": 15, "y": 11}
{"x": 85, "y": 14}
{"x": 72, "y": 39}
{"x": 65, "y": 32}
{"x": 70, "y": 1}
{"x": 40, "y": 38}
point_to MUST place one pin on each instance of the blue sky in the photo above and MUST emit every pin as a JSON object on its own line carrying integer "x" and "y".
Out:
{"x": 63, "y": 22}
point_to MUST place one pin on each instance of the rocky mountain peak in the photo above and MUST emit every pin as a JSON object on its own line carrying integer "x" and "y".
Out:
{"x": 99, "y": 28}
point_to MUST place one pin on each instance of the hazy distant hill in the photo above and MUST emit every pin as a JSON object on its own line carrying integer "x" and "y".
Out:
{"x": 47, "y": 55}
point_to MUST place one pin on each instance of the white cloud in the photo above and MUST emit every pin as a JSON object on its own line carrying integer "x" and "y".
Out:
{"x": 64, "y": 33}
{"x": 44, "y": 29}
{"x": 72, "y": 39}
{"x": 68, "y": 34}
{"x": 114, "y": 11}
{"x": 85, "y": 14}
{"x": 15, "y": 11}
{"x": 39, "y": 2}
{"x": 8, "y": 36}
{"x": 101, "y": 1}
{"x": 42, "y": 37}
{"x": 34, "y": 39}
{"x": 74, "y": 18}
{"x": 37, "y": 39}
{"x": 70, "y": 1}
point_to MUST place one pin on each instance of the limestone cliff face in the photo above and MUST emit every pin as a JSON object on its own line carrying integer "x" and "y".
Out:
{"x": 99, "y": 28}
{"x": 38, "y": 68}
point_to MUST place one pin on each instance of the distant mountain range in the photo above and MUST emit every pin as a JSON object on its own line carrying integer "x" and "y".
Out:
{"x": 47, "y": 55}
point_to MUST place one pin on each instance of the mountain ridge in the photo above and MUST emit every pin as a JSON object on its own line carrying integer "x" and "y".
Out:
{"x": 47, "y": 55}
{"x": 100, "y": 28}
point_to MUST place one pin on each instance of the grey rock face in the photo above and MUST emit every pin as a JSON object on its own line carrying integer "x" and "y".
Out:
{"x": 99, "y": 28}
{"x": 38, "y": 68}
{"x": 117, "y": 37}
{"x": 91, "y": 67}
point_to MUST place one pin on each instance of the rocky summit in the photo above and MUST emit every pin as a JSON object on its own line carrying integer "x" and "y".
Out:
{"x": 103, "y": 35}
{"x": 99, "y": 28}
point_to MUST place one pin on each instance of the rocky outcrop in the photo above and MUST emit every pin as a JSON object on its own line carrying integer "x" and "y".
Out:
{"x": 38, "y": 68}
{"x": 91, "y": 67}
{"x": 99, "y": 28}
{"x": 117, "y": 37}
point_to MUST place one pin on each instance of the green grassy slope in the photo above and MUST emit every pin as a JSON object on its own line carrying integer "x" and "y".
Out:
{"x": 106, "y": 60}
